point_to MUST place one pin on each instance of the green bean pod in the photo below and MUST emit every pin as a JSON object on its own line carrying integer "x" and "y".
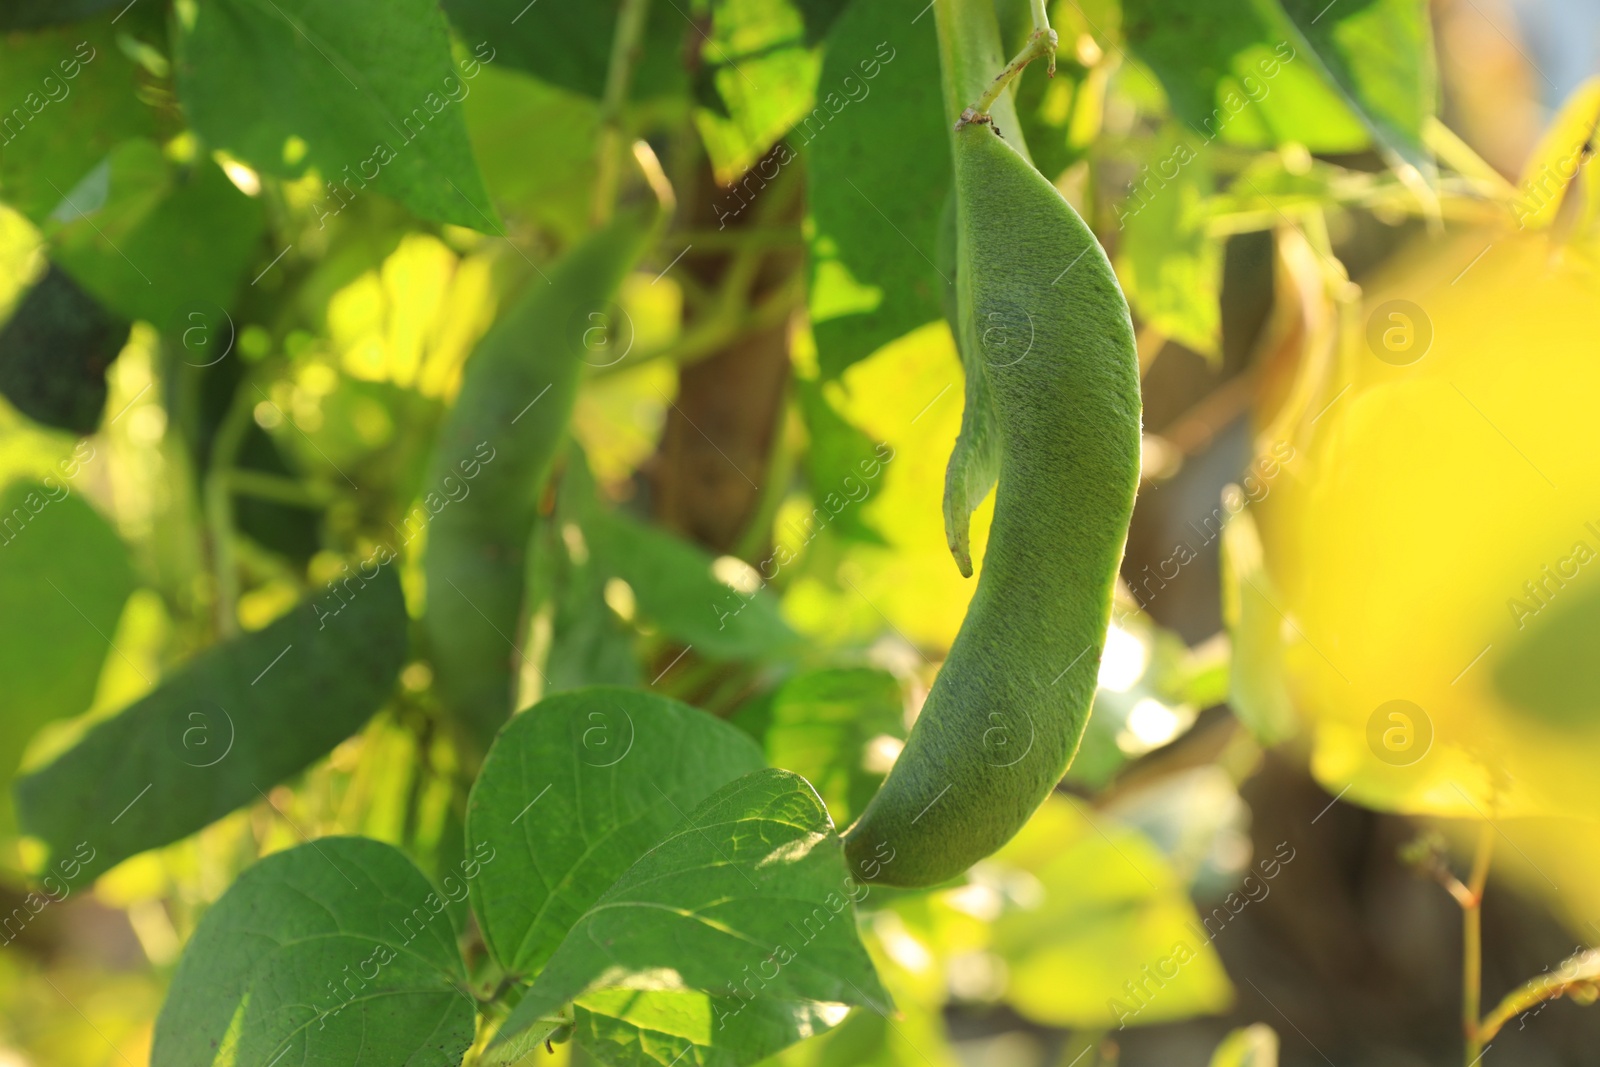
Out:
{"x": 498, "y": 442}
{"x": 1053, "y": 411}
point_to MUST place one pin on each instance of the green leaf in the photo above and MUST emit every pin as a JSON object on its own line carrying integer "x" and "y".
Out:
{"x": 64, "y": 577}
{"x": 70, "y": 93}
{"x": 1380, "y": 55}
{"x": 748, "y": 898}
{"x": 1258, "y": 687}
{"x": 169, "y": 245}
{"x": 338, "y": 951}
{"x": 676, "y": 589}
{"x": 32, "y": 14}
{"x": 368, "y": 86}
{"x": 1549, "y": 671}
{"x": 875, "y": 213}
{"x": 238, "y": 718}
{"x": 569, "y": 44}
{"x": 589, "y": 644}
{"x": 1106, "y": 908}
{"x": 1169, "y": 267}
{"x": 765, "y": 75}
{"x": 1240, "y": 71}
{"x": 54, "y": 353}
{"x": 656, "y": 1028}
{"x": 1250, "y": 1046}
{"x": 822, "y": 728}
{"x": 836, "y": 459}
{"x": 575, "y": 790}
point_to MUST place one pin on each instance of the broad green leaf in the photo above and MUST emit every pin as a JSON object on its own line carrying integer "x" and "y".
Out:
{"x": 238, "y": 718}
{"x": 575, "y": 790}
{"x": 1250, "y": 1046}
{"x": 55, "y": 350}
{"x": 875, "y": 213}
{"x": 70, "y": 95}
{"x": 750, "y": 891}
{"x": 569, "y": 44}
{"x": 64, "y": 577}
{"x": 1168, "y": 265}
{"x": 677, "y": 589}
{"x": 823, "y": 728}
{"x": 367, "y": 87}
{"x": 1258, "y": 689}
{"x": 1380, "y": 55}
{"x": 1108, "y": 912}
{"x": 835, "y": 459}
{"x": 1240, "y": 72}
{"x": 169, "y": 245}
{"x": 658, "y": 1028}
{"x": 337, "y": 951}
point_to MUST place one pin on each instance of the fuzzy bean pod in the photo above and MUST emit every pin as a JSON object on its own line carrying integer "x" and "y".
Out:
{"x": 501, "y": 436}
{"x": 1053, "y": 410}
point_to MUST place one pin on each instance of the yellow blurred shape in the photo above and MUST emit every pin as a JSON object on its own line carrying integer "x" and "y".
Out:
{"x": 1447, "y": 504}
{"x": 413, "y": 320}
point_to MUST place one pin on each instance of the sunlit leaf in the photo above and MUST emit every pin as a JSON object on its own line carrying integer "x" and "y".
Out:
{"x": 337, "y": 951}
{"x": 1250, "y": 1046}
{"x": 64, "y": 570}
{"x": 750, "y": 888}
{"x": 1109, "y": 914}
{"x": 253, "y": 75}
{"x": 658, "y": 1028}
{"x": 573, "y": 792}
{"x": 823, "y": 727}
{"x": 875, "y": 213}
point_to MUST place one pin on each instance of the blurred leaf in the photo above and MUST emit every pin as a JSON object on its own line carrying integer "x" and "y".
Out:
{"x": 765, "y": 76}
{"x": 1250, "y": 1046}
{"x": 1111, "y": 938}
{"x": 1556, "y": 159}
{"x": 754, "y": 878}
{"x": 589, "y": 644}
{"x": 238, "y": 718}
{"x": 64, "y": 577}
{"x": 1169, "y": 266}
{"x": 595, "y": 778}
{"x": 1380, "y": 55}
{"x": 875, "y": 213}
{"x": 170, "y": 245}
{"x": 337, "y": 951}
{"x": 1550, "y": 671}
{"x": 676, "y": 589}
{"x": 548, "y": 181}
{"x": 657, "y": 1027}
{"x": 822, "y": 724}
{"x": 33, "y": 14}
{"x": 71, "y": 97}
{"x": 1259, "y": 685}
{"x": 54, "y": 352}
{"x": 569, "y": 44}
{"x": 252, "y": 76}
{"x": 1240, "y": 71}
{"x": 835, "y": 457}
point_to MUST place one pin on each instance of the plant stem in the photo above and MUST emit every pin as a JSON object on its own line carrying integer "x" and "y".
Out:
{"x": 625, "y": 45}
{"x": 219, "y": 511}
{"x": 1472, "y": 946}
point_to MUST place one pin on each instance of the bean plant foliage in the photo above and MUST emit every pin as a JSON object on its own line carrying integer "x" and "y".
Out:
{"x": 377, "y": 623}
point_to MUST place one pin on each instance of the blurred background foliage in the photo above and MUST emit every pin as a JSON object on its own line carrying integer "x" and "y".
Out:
{"x": 747, "y": 516}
